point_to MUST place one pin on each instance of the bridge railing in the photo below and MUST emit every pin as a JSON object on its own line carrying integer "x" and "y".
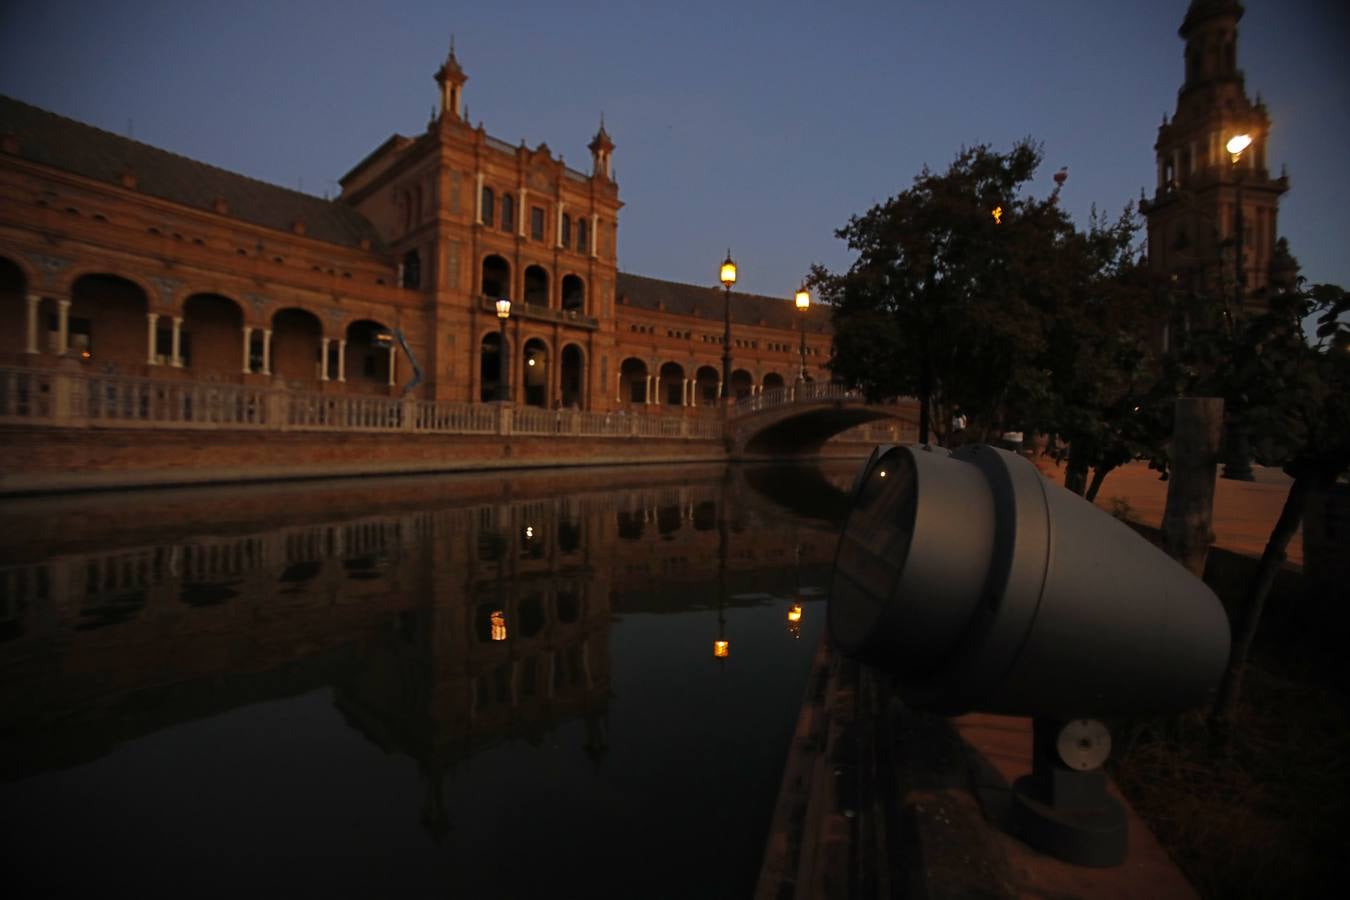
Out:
{"x": 808, "y": 392}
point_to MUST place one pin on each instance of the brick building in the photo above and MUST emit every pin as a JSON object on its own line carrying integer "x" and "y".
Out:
{"x": 124, "y": 258}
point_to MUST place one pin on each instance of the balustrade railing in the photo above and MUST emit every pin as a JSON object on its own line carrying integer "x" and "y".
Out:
{"x": 808, "y": 392}
{"x": 84, "y": 399}
{"x": 542, "y": 313}
{"x": 89, "y": 399}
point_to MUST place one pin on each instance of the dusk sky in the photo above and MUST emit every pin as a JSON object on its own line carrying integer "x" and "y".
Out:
{"x": 759, "y": 126}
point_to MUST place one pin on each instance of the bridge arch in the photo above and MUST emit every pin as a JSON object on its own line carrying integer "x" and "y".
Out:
{"x": 805, "y": 418}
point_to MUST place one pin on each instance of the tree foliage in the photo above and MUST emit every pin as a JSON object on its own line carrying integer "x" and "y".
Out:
{"x": 1021, "y": 320}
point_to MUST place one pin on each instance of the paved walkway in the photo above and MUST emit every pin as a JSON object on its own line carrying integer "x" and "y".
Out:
{"x": 1244, "y": 511}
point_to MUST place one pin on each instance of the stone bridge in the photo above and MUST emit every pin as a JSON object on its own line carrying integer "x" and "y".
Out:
{"x": 798, "y": 420}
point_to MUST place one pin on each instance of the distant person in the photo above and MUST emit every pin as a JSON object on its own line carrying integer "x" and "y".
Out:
{"x": 1013, "y": 441}
{"x": 958, "y": 427}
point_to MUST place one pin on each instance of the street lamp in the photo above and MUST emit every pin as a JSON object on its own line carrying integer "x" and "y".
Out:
{"x": 1237, "y": 466}
{"x": 803, "y": 301}
{"x": 503, "y": 361}
{"x": 728, "y": 279}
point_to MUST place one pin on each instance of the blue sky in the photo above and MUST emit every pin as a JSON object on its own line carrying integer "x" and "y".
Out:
{"x": 759, "y": 126}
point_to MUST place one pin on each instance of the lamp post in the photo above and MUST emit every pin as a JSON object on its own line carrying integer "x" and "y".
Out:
{"x": 503, "y": 358}
{"x": 1237, "y": 464}
{"x": 803, "y": 301}
{"x": 728, "y": 279}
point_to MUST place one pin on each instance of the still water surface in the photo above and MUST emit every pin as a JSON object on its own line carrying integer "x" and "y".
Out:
{"x": 481, "y": 686}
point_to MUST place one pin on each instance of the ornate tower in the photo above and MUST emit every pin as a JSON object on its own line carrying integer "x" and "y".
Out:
{"x": 1193, "y": 216}
{"x": 451, "y": 78}
{"x": 601, "y": 148}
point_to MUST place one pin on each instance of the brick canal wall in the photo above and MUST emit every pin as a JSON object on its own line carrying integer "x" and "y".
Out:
{"x": 61, "y": 459}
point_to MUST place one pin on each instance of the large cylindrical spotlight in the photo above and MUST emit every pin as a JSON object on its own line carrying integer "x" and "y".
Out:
{"x": 983, "y": 586}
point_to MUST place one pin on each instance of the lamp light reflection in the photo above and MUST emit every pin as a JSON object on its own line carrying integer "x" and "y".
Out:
{"x": 721, "y": 649}
{"x": 498, "y": 620}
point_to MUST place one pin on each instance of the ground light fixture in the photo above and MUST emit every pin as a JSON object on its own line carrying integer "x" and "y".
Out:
{"x": 981, "y": 586}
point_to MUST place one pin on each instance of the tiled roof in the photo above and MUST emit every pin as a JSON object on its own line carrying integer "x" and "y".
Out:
{"x": 746, "y": 309}
{"x": 52, "y": 140}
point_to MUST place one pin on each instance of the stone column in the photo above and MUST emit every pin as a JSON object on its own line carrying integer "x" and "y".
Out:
{"x": 150, "y": 320}
{"x": 176, "y": 358}
{"x": 522, "y": 214}
{"x": 62, "y": 327}
{"x": 595, "y": 234}
{"x": 267, "y": 351}
{"x": 342, "y": 360}
{"x": 557, "y": 226}
{"x": 34, "y": 302}
{"x": 478, "y": 198}
{"x": 323, "y": 358}
{"x": 393, "y": 364}
{"x": 248, "y": 341}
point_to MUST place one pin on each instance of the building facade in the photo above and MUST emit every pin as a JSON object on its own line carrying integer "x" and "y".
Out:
{"x": 120, "y": 257}
{"x": 1205, "y": 193}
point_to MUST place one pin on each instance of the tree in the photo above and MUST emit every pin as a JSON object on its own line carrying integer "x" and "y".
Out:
{"x": 1295, "y": 396}
{"x": 1108, "y": 394}
{"x": 1018, "y": 318}
{"x": 931, "y": 306}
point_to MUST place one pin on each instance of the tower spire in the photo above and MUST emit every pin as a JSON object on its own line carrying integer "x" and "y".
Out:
{"x": 602, "y": 149}
{"x": 451, "y": 79}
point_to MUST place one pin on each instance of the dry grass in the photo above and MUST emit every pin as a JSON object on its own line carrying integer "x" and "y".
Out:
{"x": 1267, "y": 819}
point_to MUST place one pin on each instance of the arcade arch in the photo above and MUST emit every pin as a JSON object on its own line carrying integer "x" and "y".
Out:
{"x": 536, "y": 286}
{"x": 672, "y": 384}
{"x": 212, "y": 335}
{"x": 573, "y": 294}
{"x": 534, "y": 373}
{"x": 368, "y": 354}
{"x": 490, "y": 367}
{"x": 571, "y": 377}
{"x": 708, "y": 385}
{"x": 14, "y": 313}
{"x": 496, "y": 280}
{"x": 108, "y": 322}
{"x": 633, "y": 381}
{"x": 297, "y": 337}
{"x": 741, "y": 384}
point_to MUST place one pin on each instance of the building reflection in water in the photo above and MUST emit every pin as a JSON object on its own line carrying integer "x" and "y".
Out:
{"x": 450, "y": 616}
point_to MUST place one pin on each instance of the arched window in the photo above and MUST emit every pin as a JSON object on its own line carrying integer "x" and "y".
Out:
{"x": 489, "y": 203}
{"x": 412, "y": 270}
{"x": 566, "y": 230}
{"x": 583, "y": 235}
{"x": 496, "y": 276}
{"x": 573, "y": 293}
{"x": 508, "y": 212}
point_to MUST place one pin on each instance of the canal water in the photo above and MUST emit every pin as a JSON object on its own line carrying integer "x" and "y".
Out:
{"x": 493, "y": 685}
